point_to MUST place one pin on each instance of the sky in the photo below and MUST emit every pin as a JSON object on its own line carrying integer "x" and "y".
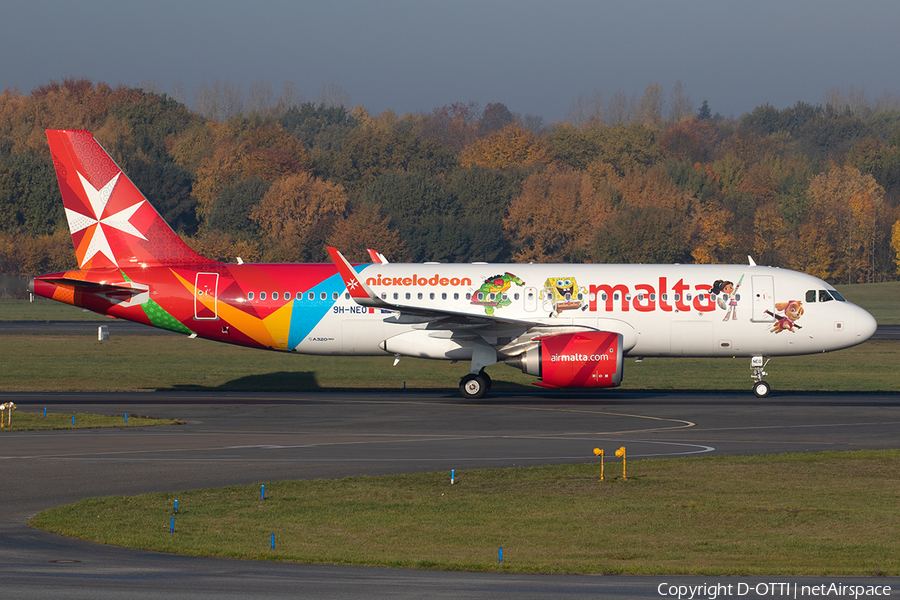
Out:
{"x": 536, "y": 57}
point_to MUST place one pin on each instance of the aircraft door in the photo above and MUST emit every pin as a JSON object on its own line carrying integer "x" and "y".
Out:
{"x": 206, "y": 306}
{"x": 531, "y": 299}
{"x": 763, "y": 298}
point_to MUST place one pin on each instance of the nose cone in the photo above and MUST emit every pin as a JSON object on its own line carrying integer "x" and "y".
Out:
{"x": 865, "y": 325}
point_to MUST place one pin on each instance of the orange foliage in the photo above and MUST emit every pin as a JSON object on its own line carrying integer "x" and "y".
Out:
{"x": 691, "y": 141}
{"x": 297, "y": 203}
{"x": 552, "y": 220}
{"x": 218, "y": 245}
{"x": 512, "y": 146}
{"x": 839, "y": 232}
{"x": 265, "y": 151}
{"x": 365, "y": 228}
{"x": 895, "y": 243}
{"x": 653, "y": 189}
{"x": 715, "y": 236}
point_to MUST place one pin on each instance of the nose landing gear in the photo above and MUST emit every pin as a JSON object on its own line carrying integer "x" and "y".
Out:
{"x": 760, "y": 388}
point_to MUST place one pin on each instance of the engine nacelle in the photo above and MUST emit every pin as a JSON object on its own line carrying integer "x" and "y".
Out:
{"x": 584, "y": 359}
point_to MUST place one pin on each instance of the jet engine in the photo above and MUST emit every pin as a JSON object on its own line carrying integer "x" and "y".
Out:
{"x": 583, "y": 359}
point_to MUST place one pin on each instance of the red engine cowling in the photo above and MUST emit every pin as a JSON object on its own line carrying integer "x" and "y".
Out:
{"x": 585, "y": 359}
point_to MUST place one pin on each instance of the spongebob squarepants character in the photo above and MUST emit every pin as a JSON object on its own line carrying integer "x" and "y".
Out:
{"x": 563, "y": 294}
{"x": 492, "y": 293}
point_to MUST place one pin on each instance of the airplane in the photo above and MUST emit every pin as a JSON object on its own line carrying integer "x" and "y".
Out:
{"x": 571, "y": 325}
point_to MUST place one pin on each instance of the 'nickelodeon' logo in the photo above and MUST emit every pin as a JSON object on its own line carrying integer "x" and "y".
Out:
{"x": 433, "y": 281}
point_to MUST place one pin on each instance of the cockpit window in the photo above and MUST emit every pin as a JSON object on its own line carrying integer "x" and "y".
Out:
{"x": 810, "y": 296}
{"x": 824, "y": 296}
{"x": 837, "y": 296}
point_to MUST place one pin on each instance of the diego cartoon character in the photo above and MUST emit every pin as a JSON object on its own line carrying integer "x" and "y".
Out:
{"x": 562, "y": 293}
{"x": 791, "y": 311}
{"x": 491, "y": 293}
{"x": 728, "y": 291}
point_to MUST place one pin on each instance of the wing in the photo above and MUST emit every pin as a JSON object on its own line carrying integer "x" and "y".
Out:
{"x": 407, "y": 313}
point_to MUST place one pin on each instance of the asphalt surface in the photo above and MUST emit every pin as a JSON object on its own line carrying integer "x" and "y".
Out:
{"x": 239, "y": 438}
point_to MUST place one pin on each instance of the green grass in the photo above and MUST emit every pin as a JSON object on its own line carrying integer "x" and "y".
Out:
{"x": 43, "y": 309}
{"x": 150, "y": 363}
{"x": 27, "y": 421}
{"x": 818, "y": 514}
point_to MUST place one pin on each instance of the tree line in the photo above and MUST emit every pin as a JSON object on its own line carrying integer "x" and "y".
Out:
{"x": 808, "y": 187}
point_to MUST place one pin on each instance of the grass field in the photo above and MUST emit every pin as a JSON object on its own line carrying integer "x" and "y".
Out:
{"x": 816, "y": 514}
{"x": 151, "y": 363}
{"x": 28, "y": 421}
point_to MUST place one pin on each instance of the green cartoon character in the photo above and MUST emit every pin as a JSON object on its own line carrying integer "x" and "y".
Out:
{"x": 492, "y": 293}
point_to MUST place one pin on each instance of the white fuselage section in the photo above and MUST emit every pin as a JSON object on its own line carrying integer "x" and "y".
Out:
{"x": 660, "y": 310}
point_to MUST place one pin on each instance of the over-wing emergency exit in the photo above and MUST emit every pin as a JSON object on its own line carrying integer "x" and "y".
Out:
{"x": 569, "y": 325}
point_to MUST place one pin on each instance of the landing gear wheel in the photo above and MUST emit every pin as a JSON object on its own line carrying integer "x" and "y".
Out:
{"x": 761, "y": 389}
{"x": 487, "y": 381}
{"x": 473, "y": 387}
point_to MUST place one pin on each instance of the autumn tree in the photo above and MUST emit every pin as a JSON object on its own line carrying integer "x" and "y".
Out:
{"x": 839, "y": 232}
{"x": 624, "y": 147}
{"x": 454, "y": 125}
{"x": 895, "y": 243}
{"x": 496, "y": 116}
{"x": 690, "y": 141}
{"x": 296, "y": 214}
{"x": 554, "y": 217}
{"x": 239, "y": 152}
{"x": 512, "y": 146}
{"x": 366, "y": 228}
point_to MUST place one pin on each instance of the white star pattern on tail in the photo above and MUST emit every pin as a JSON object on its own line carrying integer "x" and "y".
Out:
{"x": 351, "y": 284}
{"x": 98, "y": 199}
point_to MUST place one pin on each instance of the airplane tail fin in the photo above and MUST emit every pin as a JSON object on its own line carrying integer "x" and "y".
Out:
{"x": 112, "y": 223}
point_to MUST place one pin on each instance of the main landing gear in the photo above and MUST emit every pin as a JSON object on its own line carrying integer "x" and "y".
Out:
{"x": 760, "y": 388}
{"x": 474, "y": 386}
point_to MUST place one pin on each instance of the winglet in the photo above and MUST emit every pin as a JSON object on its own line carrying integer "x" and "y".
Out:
{"x": 358, "y": 290}
{"x": 377, "y": 257}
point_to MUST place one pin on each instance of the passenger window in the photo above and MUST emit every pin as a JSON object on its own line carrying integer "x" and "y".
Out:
{"x": 250, "y": 295}
{"x": 396, "y": 296}
{"x": 811, "y": 295}
{"x": 444, "y": 296}
{"x": 408, "y": 295}
{"x": 274, "y": 295}
{"x": 311, "y": 295}
{"x": 323, "y": 296}
{"x": 335, "y": 296}
{"x": 419, "y": 296}
{"x": 262, "y": 295}
{"x": 431, "y": 296}
{"x": 287, "y": 295}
